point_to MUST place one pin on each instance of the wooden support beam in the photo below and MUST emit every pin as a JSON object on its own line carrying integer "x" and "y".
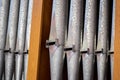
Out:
{"x": 38, "y": 66}
{"x": 35, "y": 40}
{"x": 117, "y": 42}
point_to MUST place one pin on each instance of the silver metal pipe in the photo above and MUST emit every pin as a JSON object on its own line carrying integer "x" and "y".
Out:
{"x": 74, "y": 38}
{"x": 89, "y": 38}
{"x": 22, "y": 23}
{"x": 112, "y": 65}
{"x": 25, "y": 66}
{"x": 3, "y": 77}
{"x": 9, "y": 65}
{"x": 2, "y": 63}
{"x": 112, "y": 38}
{"x": 28, "y": 29}
{"x": 13, "y": 78}
{"x": 4, "y": 9}
{"x": 18, "y": 66}
{"x": 11, "y": 39}
{"x": 103, "y": 38}
{"x": 58, "y": 26}
{"x": 27, "y": 41}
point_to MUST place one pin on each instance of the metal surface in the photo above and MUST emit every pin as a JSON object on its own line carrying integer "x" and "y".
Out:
{"x": 25, "y": 66}
{"x": 9, "y": 65}
{"x": 11, "y": 39}
{"x": 3, "y": 77}
{"x": 112, "y": 38}
{"x": 4, "y": 9}
{"x": 74, "y": 38}
{"x": 29, "y": 20}
{"x": 58, "y": 26}
{"x": 2, "y": 63}
{"x": 20, "y": 46}
{"x": 22, "y": 23}
{"x": 89, "y": 38}
{"x": 27, "y": 40}
{"x": 103, "y": 26}
{"x": 13, "y": 78}
{"x": 18, "y": 66}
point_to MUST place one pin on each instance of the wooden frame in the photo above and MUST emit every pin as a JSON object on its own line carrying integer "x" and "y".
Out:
{"x": 117, "y": 42}
{"x": 38, "y": 67}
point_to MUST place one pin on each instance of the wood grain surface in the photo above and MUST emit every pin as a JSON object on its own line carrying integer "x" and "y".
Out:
{"x": 38, "y": 66}
{"x": 117, "y": 42}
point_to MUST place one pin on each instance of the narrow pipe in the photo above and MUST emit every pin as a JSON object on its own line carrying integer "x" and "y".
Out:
{"x": 13, "y": 77}
{"x": 9, "y": 65}
{"x": 18, "y": 66}
{"x": 28, "y": 29}
{"x": 2, "y": 63}
{"x": 4, "y": 10}
{"x": 103, "y": 26}
{"x": 58, "y": 26}
{"x": 74, "y": 38}
{"x": 11, "y": 39}
{"x": 89, "y": 38}
{"x": 25, "y": 66}
{"x": 20, "y": 46}
{"x": 112, "y": 39}
{"x": 3, "y": 77}
{"x": 27, "y": 40}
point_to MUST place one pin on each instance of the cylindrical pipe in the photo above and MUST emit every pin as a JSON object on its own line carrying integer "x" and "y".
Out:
{"x": 103, "y": 26}
{"x": 20, "y": 46}
{"x": 89, "y": 38}
{"x": 58, "y": 26}
{"x": 13, "y": 78}
{"x": 112, "y": 38}
{"x": 2, "y": 63}
{"x": 11, "y": 39}
{"x": 74, "y": 38}
{"x": 9, "y": 65}
{"x": 3, "y": 77}
{"x": 25, "y": 66}
{"x": 28, "y": 29}
{"x": 22, "y": 24}
{"x": 18, "y": 66}
{"x": 4, "y": 10}
{"x": 27, "y": 40}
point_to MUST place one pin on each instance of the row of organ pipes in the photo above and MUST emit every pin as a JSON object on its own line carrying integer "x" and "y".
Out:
{"x": 82, "y": 31}
{"x": 15, "y": 26}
